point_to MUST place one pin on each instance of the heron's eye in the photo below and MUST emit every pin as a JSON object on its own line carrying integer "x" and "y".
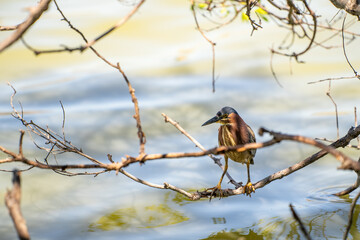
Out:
{"x": 218, "y": 114}
{"x": 225, "y": 115}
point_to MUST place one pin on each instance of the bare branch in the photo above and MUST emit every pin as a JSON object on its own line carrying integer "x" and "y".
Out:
{"x": 35, "y": 14}
{"x": 140, "y": 133}
{"x": 298, "y": 219}
{"x": 347, "y": 163}
{"x": 351, "y": 213}
{"x": 88, "y": 44}
{"x": 343, "y": 46}
{"x": 331, "y": 79}
{"x": 272, "y": 69}
{"x": 351, "y": 188}
{"x": 336, "y": 110}
{"x": 12, "y": 202}
{"x": 314, "y": 31}
{"x": 208, "y": 40}
{"x": 8, "y": 28}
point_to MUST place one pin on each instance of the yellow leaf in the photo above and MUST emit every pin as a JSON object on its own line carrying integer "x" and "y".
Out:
{"x": 244, "y": 17}
{"x": 202, "y": 5}
{"x": 261, "y": 11}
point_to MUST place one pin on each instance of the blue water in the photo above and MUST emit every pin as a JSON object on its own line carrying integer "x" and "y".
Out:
{"x": 99, "y": 120}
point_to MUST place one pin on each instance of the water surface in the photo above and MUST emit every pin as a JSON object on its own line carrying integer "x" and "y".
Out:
{"x": 171, "y": 74}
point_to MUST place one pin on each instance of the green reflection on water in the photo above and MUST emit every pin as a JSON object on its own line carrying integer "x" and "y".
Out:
{"x": 142, "y": 216}
{"x": 233, "y": 234}
{"x": 322, "y": 224}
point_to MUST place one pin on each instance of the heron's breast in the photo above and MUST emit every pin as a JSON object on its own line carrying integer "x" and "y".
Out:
{"x": 226, "y": 139}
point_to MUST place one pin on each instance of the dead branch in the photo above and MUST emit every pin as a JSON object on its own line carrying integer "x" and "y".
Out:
{"x": 350, "y": 218}
{"x": 336, "y": 110}
{"x": 331, "y": 79}
{"x": 141, "y": 134}
{"x": 8, "y": 28}
{"x": 35, "y": 14}
{"x": 351, "y": 188}
{"x": 63, "y": 145}
{"x": 293, "y": 21}
{"x": 208, "y": 40}
{"x": 342, "y": 142}
{"x": 344, "y": 51}
{"x": 346, "y": 162}
{"x": 12, "y": 202}
{"x": 298, "y": 220}
{"x": 88, "y": 44}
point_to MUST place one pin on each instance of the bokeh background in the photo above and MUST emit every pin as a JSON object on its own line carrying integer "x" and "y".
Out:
{"x": 169, "y": 65}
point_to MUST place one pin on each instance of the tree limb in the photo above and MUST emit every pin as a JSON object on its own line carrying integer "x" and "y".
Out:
{"x": 35, "y": 14}
{"x": 12, "y": 202}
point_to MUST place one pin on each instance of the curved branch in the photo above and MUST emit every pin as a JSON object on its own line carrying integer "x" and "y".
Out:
{"x": 88, "y": 44}
{"x": 12, "y": 202}
{"x": 312, "y": 40}
{"x": 35, "y": 14}
{"x": 351, "y": 214}
{"x": 208, "y": 40}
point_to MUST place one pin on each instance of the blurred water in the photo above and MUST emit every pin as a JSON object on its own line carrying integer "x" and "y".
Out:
{"x": 99, "y": 120}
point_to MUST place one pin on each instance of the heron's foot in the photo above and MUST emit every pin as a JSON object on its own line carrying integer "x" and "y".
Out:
{"x": 214, "y": 191}
{"x": 248, "y": 189}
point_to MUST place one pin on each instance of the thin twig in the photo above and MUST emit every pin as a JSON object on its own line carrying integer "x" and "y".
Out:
{"x": 351, "y": 188}
{"x": 343, "y": 46}
{"x": 89, "y": 44}
{"x": 35, "y": 14}
{"x": 336, "y": 110}
{"x": 8, "y": 28}
{"x": 298, "y": 219}
{"x": 351, "y": 213}
{"x": 347, "y": 163}
{"x": 331, "y": 79}
{"x": 141, "y": 134}
{"x": 272, "y": 69}
{"x": 312, "y": 39}
{"x": 12, "y": 202}
{"x": 63, "y": 123}
{"x": 208, "y": 40}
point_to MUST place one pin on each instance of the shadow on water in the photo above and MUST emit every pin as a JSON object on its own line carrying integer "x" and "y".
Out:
{"x": 141, "y": 216}
{"x": 322, "y": 221}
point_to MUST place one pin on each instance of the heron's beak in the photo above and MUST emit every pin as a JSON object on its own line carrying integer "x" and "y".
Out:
{"x": 210, "y": 121}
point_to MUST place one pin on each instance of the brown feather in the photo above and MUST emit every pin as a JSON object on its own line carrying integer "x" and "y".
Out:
{"x": 235, "y": 132}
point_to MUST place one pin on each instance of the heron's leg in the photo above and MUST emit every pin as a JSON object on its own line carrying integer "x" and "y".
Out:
{"x": 218, "y": 186}
{"x": 249, "y": 188}
{"x": 223, "y": 174}
{"x": 248, "y": 171}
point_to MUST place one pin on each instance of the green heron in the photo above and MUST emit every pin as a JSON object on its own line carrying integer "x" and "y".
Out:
{"x": 234, "y": 131}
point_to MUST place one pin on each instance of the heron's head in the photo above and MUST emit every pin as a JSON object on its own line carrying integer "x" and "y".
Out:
{"x": 222, "y": 116}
